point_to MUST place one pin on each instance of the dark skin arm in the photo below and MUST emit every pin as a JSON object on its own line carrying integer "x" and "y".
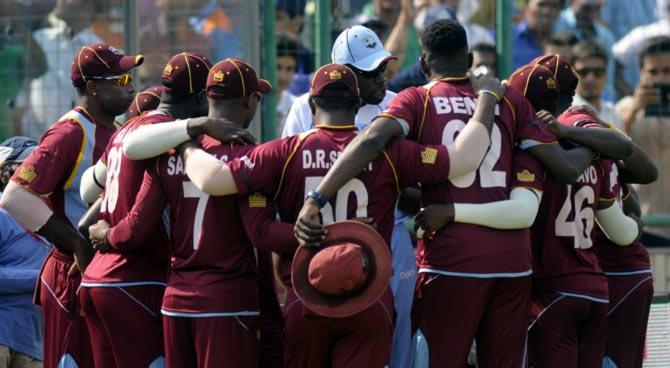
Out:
{"x": 90, "y": 217}
{"x": 631, "y": 204}
{"x": 604, "y": 141}
{"x": 57, "y": 231}
{"x": 564, "y": 165}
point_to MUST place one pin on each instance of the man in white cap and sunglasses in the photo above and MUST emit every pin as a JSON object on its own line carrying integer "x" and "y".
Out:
{"x": 361, "y": 50}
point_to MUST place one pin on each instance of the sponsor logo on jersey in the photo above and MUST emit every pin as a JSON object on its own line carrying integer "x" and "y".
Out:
{"x": 429, "y": 156}
{"x": 257, "y": 200}
{"x": 28, "y": 174}
{"x": 525, "y": 176}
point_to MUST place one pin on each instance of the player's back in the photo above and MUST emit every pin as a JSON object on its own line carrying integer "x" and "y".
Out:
{"x": 147, "y": 262}
{"x": 213, "y": 263}
{"x": 563, "y": 234}
{"x": 439, "y": 111}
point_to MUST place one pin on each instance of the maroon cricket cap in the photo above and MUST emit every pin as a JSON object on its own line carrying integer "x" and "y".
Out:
{"x": 330, "y": 74}
{"x": 234, "y": 78}
{"x": 347, "y": 273}
{"x": 101, "y": 60}
{"x": 565, "y": 75}
{"x": 147, "y": 100}
{"x": 535, "y": 82}
{"x": 185, "y": 73}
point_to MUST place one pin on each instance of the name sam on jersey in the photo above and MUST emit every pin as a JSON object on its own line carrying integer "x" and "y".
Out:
{"x": 457, "y": 105}
{"x": 321, "y": 159}
{"x": 175, "y": 165}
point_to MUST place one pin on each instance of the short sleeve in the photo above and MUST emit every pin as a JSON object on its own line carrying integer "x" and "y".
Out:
{"x": 261, "y": 168}
{"x": 415, "y": 163}
{"x": 527, "y": 171}
{"x": 407, "y": 109}
{"x": 52, "y": 163}
{"x": 530, "y": 131}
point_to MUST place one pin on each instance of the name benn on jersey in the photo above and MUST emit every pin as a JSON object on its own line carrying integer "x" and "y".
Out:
{"x": 175, "y": 165}
{"x": 457, "y": 105}
{"x": 316, "y": 159}
{"x": 589, "y": 176}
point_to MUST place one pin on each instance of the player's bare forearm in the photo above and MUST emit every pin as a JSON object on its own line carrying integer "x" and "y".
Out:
{"x": 364, "y": 148}
{"x": 631, "y": 203}
{"x": 485, "y": 111}
{"x": 90, "y": 217}
{"x": 604, "y": 141}
{"x": 564, "y": 165}
{"x": 58, "y": 232}
{"x": 639, "y": 168}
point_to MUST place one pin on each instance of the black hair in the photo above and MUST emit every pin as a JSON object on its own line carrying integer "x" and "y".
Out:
{"x": 445, "y": 37}
{"x": 336, "y": 103}
{"x": 288, "y": 46}
{"x": 484, "y": 47}
{"x": 587, "y": 49}
{"x": 566, "y": 38}
{"x": 654, "y": 46}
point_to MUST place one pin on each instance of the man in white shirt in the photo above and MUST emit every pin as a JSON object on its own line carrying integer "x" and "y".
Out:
{"x": 590, "y": 61}
{"x": 361, "y": 50}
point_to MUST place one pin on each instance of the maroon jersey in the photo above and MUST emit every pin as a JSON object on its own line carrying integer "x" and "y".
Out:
{"x": 286, "y": 170}
{"x": 213, "y": 270}
{"x": 613, "y": 258}
{"x": 144, "y": 262}
{"x": 434, "y": 114}
{"x": 563, "y": 234}
{"x": 53, "y": 170}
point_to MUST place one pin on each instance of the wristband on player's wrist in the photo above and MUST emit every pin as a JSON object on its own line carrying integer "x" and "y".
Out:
{"x": 321, "y": 200}
{"x": 497, "y": 97}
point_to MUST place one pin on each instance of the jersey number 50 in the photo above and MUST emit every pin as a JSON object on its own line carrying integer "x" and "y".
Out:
{"x": 354, "y": 186}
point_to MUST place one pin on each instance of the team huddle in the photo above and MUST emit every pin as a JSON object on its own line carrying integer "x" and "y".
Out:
{"x": 172, "y": 231}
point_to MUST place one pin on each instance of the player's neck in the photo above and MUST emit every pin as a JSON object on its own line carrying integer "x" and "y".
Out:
{"x": 455, "y": 73}
{"x": 177, "y": 111}
{"x": 96, "y": 113}
{"x": 335, "y": 118}
{"x": 232, "y": 115}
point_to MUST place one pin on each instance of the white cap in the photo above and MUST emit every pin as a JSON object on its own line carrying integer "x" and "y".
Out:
{"x": 360, "y": 47}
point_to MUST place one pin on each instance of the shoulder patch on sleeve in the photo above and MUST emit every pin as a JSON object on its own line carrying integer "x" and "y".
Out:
{"x": 257, "y": 200}
{"x": 525, "y": 176}
{"x": 429, "y": 155}
{"x": 28, "y": 174}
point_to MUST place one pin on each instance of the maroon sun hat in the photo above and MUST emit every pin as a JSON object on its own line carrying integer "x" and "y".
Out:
{"x": 101, "y": 60}
{"x": 347, "y": 273}
{"x": 185, "y": 73}
{"x": 234, "y": 78}
{"x": 334, "y": 74}
{"x": 535, "y": 82}
{"x": 147, "y": 100}
{"x": 565, "y": 75}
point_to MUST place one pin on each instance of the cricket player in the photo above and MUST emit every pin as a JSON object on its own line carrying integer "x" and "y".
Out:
{"x": 43, "y": 194}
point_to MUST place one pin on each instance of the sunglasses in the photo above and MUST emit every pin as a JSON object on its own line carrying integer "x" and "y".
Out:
{"x": 597, "y": 72}
{"x": 119, "y": 80}
{"x": 372, "y": 74}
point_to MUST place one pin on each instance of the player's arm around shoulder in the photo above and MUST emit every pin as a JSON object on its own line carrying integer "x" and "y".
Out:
{"x": 618, "y": 227}
{"x": 93, "y": 182}
{"x": 206, "y": 172}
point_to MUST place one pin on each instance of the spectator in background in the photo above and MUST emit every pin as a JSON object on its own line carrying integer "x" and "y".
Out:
{"x": 583, "y": 19}
{"x": 621, "y": 16}
{"x": 51, "y": 95}
{"x": 484, "y": 54}
{"x": 627, "y": 49}
{"x": 376, "y": 24}
{"x": 290, "y": 20}
{"x": 403, "y": 40}
{"x": 428, "y": 15}
{"x": 560, "y": 43}
{"x": 21, "y": 256}
{"x": 531, "y": 34}
{"x": 650, "y": 130}
{"x": 589, "y": 60}
{"x": 288, "y": 55}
